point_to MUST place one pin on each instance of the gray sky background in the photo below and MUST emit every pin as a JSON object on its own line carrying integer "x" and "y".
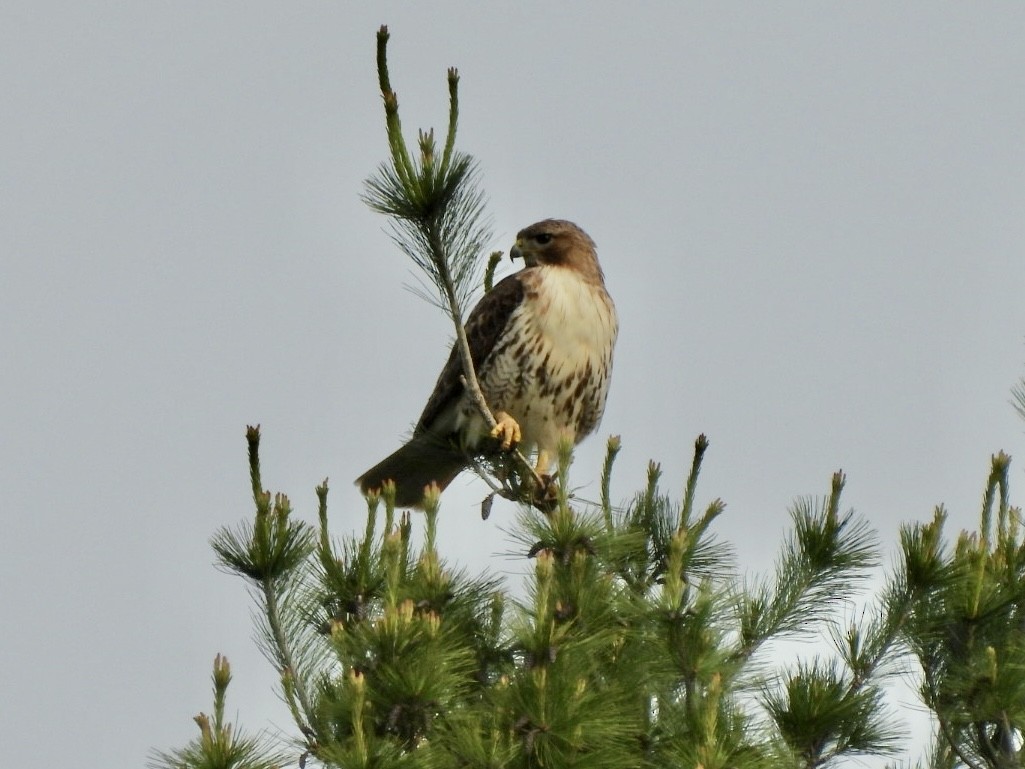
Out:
{"x": 810, "y": 217}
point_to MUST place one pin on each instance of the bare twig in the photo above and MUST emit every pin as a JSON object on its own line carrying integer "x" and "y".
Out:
{"x": 469, "y": 376}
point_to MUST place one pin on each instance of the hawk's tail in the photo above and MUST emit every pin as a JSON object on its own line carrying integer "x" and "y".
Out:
{"x": 414, "y": 466}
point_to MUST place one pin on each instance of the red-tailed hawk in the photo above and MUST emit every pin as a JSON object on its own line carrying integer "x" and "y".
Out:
{"x": 541, "y": 342}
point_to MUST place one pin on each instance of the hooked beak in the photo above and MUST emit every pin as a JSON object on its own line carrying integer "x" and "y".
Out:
{"x": 515, "y": 253}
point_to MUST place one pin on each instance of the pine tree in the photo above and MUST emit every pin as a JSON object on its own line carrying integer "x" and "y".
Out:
{"x": 635, "y": 643}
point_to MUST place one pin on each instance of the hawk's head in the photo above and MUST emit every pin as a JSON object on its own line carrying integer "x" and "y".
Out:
{"x": 557, "y": 242}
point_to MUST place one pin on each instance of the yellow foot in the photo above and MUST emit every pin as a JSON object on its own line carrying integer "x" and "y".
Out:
{"x": 507, "y": 430}
{"x": 543, "y": 463}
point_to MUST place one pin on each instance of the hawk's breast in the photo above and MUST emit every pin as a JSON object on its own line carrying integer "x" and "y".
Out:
{"x": 550, "y": 368}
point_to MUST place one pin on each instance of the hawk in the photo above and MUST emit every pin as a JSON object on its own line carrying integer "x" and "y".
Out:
{"x": 541, "y": 342}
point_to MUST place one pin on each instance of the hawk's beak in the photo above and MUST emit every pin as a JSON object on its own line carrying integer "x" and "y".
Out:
{"x": 514, "y": 252}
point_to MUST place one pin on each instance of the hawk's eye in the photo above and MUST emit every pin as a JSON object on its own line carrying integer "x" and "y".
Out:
{"x": 544, "y": 238}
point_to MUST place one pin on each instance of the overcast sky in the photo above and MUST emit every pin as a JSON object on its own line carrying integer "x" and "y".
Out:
{"x": 810, "y": 216}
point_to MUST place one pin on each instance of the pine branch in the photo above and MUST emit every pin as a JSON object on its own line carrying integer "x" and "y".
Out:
{"x": 612, "y": 448}
{"x": 291, "y": 673}
{"x": 826, "y": 555}
{"x": 438, "y": 221}
{"x": 220, "y": 745}
{"x": 271, "y": 554}
{"x": 821, "y": 717}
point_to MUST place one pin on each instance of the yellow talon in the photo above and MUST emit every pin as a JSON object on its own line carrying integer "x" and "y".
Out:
{"x": 507, "y": 429}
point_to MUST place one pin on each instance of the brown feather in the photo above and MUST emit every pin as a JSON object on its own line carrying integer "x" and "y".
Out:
{"x": 485, "y": 325}
{"x": 413, "y": 467}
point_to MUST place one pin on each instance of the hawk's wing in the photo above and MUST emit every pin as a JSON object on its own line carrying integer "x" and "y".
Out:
{"x": 485, "y": 326}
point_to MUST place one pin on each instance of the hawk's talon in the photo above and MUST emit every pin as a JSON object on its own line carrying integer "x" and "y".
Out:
{"x": 507, "y": 430}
